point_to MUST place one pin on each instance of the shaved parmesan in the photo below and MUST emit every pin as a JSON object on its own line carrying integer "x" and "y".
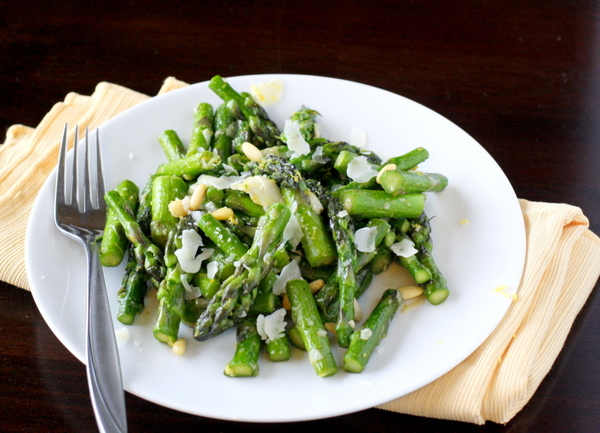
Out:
{"x": 262, "y": 190}
{"x": 317, "y": 155}
{"x": 191, "y": 292}
{"x": 292, "y": 232}
{"x": 271, "y": 327}
{"x": 315, "y": 203}
{"x": 317, "y": 130}
{"x": 404, "y": 248}
{"x": 360, "y": 170}
{"x": 364, "y": 239}
{"x": 211, "y": 269}
{"x": 358, "y": 138}
{"x": 291, "y": 271}
{"x": 223, "y": 182}
{"x": 186, "y": 255}
{"x": 267, "y": 93}
{"x": 294, "y": 139}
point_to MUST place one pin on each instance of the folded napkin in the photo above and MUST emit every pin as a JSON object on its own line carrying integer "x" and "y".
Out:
{"x": 494, "y": 383}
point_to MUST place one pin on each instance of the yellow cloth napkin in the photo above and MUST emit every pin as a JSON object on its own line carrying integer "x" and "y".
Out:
{"x": 494, "y": 383}
{"x": 562, "y": 266}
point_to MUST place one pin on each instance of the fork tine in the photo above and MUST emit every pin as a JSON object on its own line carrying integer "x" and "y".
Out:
{"x": 93, "y": 179}
{"x": 60, "y": 176}
{"x": 100, "y": 173}
{"x": 74, "y": 168}
{"x": 85, "y": 194}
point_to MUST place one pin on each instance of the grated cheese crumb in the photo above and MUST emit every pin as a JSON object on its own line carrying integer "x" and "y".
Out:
{"x": 365, "y": 334}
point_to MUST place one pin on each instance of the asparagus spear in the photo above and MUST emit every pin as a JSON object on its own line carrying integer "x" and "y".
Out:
{"x": 165, "y": 189}
{"x": 148, "y": 255}
{"x": 133, "y": 290}
{"x": 202, "y": 131}
{"x": 365, "y": 204}
{"x": 225, "y": 130}
{"x": 342, "y": 230}
{"x": 172, "y": 145}
{"x": 241, "y": 201}
{"x": 365, "y": 339}
{"x": 223, "y": 238}
{"x": 396, "y": 182}
{"x": 245, "y": 359}
{"x": 410, "y": 159}
{"x": 279, "y": 350}
{"x": 305, "y": 118}
{"x": 264, "y": 129}
{"x": 114, "y": 243}
{"x": 436, "y": 289}
{"x": 191, "y": 166}
{"x": 306, "y": 317}
{"x": 171, "y": 291}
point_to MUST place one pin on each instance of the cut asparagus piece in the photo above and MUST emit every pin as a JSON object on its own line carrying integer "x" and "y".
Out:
{"x": 365, "y": 339}
{"x": 114, "y": 242}
{"x": 306, "y": 317}
{"x": 245, "y": 359}
{"x": 365, "y": 204}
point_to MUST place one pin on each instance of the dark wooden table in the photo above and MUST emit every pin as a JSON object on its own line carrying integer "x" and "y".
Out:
{"x": 522, "y": 77}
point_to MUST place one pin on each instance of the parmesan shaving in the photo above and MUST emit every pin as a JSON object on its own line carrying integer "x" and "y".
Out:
{"x": 315, "y": 203}
{"x": 358, "y": 138}
{"x": 271, "y": 327}
{"x": 191, "y": 292}
{"x": 294, "y": 139}
{"x": 186, "y": 255}
{"x": 360, "y": 170}
{"x": 262, "y": 190}
{"x": 267, "y": 93}
{"x": 364, "y": 239}
{"x": 404, "y": 248}
{"x": 211, "y": 269}
{"x": 223, "y": 182}
{"x": 291, "y": 271}
{"x": 317, "y": 155}
{"x": 292, "y": 232}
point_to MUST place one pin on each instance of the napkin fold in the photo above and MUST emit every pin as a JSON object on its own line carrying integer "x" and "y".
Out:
{"x": 494, "y": 383}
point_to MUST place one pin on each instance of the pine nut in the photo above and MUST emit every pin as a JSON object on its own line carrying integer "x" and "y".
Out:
{"x": 410, "y": 292}
{"x": 198, "y": 197}
{"x": 316, "y": 285}
{"x": 252, "y": 152}
{"x": 222, "y": 214}
{"x": 330, "y": 327}
{"x": 179, "y": 347}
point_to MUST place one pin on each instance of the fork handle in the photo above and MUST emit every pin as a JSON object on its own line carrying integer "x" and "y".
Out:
{"x": 103, "y": 366}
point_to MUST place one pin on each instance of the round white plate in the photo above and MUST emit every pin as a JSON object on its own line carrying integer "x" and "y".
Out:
{"x": 478, "y": 234}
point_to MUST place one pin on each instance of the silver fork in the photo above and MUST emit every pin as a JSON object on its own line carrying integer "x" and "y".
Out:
{"x": 80, "y": 213}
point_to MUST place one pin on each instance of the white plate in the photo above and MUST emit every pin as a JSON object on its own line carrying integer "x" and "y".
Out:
{"x": 422, "y": 344}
